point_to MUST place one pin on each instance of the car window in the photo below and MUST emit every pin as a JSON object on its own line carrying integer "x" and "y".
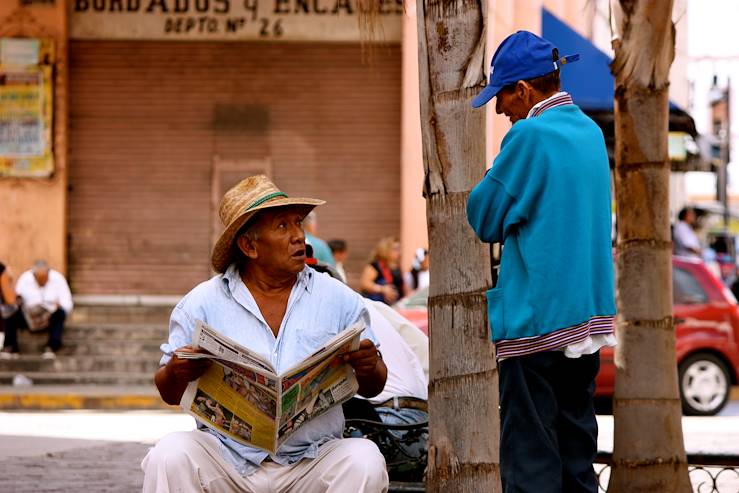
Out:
{"x": 686, "y": 289}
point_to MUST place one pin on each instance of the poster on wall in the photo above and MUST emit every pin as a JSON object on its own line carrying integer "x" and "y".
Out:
{"x": 26, "y": 107}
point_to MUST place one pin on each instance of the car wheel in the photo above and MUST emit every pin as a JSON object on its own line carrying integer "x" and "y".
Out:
{"x": 704, "y": 385}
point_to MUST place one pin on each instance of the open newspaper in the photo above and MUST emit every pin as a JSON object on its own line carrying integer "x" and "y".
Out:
{"x": 243, "y": 397}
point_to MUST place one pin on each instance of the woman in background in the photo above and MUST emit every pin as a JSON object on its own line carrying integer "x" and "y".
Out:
{"x": 381, "y": 278}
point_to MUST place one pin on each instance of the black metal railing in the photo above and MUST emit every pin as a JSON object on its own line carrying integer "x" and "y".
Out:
{"x": 709, "y": 473}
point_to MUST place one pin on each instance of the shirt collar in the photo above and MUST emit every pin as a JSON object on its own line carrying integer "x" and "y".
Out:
{"x": 559, "y": 99}
{"x": 231, "y": 279}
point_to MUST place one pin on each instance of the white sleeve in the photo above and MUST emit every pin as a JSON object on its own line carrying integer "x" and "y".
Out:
{"x": 23, "y": 286}
{"x": 685, "y": 236}
{"x": 64, "y": 296}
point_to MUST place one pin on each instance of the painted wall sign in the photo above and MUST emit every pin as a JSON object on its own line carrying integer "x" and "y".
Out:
{"x": 273, "y": 20}
{"x": 26, "y": 107}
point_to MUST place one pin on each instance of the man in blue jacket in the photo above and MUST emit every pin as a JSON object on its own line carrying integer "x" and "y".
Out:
{"x": 547, "y": 198}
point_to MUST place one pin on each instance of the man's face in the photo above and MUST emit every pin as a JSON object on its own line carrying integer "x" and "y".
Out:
{"x": 42, "y": 276}
{"x": 280, "y": 242}
{"x": 340, "y": 255}
{"x": 515, "y": 101}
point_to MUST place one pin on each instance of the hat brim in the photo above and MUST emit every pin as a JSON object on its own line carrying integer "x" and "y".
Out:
{"x": 221, "y": 257}
{"x": 486, "y": 95}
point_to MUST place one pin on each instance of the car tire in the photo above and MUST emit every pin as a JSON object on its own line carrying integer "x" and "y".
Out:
{"x": 705, "y": 384}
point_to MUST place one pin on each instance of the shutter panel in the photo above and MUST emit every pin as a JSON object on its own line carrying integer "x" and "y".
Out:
{"x": 148, "y": 119}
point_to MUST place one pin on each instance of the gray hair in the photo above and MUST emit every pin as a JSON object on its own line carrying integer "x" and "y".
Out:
{"x": 310, "y": 218}
{"x": 40, "y": 265}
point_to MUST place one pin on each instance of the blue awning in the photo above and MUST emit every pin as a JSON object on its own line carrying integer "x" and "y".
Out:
{"x": 591, "y": 85}
{"x": 589, "y": 81}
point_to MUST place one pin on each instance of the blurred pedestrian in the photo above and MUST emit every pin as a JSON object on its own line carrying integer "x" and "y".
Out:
{"x": 381, "y": 278}
{"x": 46, "y": 302}
{"x": 685, "y": 241}
{"x": 418, "y": 276}
{"x": 340, "y": 252}
{"x": 547, "y": 198}
{"x": 321, "y": 250}
{"x": 8, "y": 298}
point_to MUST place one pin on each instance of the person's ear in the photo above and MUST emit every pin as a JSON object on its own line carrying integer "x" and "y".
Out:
{"x": 247, "y": 246}
{"x": 525, "y": 91}
{"x": 522, "y": 90}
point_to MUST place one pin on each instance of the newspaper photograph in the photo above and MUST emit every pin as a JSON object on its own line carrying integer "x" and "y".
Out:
{"x": 242, "y": 397}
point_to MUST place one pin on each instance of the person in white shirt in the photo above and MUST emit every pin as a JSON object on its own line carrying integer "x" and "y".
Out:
{"x": 685, "y": 240}
{"x": 418, "y": 277}
{"x": 403, "y": 400}
{"x": 46, "y": 302}
{"x": 340, "y": 251}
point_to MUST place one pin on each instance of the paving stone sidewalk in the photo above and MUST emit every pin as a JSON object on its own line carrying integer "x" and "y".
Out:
{"x": 111, "y": 467}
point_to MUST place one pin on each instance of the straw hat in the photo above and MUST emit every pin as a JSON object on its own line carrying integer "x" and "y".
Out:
{"x": 239, "y": 204}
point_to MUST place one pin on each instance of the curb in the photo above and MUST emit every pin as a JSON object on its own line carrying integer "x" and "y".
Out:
{"x": 50, "y": 398}
{"x": 44, "y": 400}
{"x": 40, "y": 402}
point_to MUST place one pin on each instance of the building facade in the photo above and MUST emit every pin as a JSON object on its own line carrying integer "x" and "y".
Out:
{"x": 159, "y": 106}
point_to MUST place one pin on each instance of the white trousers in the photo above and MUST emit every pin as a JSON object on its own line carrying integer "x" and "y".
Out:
{"x": 189, "y": 461}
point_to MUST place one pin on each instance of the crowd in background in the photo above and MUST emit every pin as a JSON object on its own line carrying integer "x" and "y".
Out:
{"x": 382, "y": 278}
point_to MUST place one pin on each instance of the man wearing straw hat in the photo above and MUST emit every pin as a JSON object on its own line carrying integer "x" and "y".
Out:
{"x": 266, "y": 299}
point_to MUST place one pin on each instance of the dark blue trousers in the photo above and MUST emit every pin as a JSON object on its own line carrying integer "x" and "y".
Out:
{"x": 548, "y": 436}
{"x": 16, "y": 322}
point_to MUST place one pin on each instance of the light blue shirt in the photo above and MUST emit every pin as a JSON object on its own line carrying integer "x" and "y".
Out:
{"x": 321, "y": 250}
{"x": 318, "y": 308}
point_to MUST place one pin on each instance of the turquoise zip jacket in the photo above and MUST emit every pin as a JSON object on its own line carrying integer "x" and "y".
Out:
{"x": 547, "y": 198}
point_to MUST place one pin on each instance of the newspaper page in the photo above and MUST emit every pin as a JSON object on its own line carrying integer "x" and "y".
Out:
{"x": 241, "y": 397}
{"x": 322, "y": 381}
{"x": 222, "y": 347}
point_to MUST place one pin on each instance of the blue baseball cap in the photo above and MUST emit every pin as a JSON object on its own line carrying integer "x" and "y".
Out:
{"x": 521, "y": 56}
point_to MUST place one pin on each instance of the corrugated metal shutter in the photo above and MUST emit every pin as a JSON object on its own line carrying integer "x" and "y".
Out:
{"x": 149, "y": 119}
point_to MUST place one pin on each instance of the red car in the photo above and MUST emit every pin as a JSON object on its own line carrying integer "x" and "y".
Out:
{"x": 707, "y": 346}
{"x": 707, "y": 328}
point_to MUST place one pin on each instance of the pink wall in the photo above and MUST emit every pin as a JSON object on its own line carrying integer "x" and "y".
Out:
{"x": 33, "y": 211}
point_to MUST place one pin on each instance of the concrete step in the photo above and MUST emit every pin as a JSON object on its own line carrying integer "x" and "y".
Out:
{"x": 91, "y": 312}
{"x": 54, "y": 397}
{"x": 117, "y": 331}
{"x": 99, "y": 339}
{"x": 30, "y": 364}
{"x": 97, "y": 347}
{"x": 80, "y": 378}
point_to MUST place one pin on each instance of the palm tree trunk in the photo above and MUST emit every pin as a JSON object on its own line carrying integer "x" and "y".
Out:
{"x": 649, "y": 454}
{"x": 463, "y": 388}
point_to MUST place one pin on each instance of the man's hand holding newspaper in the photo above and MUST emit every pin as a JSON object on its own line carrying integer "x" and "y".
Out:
{"x": 238, "y": 392}
{"x": 187, "y": 369}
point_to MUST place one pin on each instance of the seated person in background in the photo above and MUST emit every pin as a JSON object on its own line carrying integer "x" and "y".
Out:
{"x": 266, "y": 299}
{"x": 418, "y": 276}
{"x": 46, "y": 302}
{"x": 8, "y": 298}
{"x": 403, "y": 400}
{"x": 320, "y": 247}
{"x": 340, "y": 251}
{"x": 381, "y": 278}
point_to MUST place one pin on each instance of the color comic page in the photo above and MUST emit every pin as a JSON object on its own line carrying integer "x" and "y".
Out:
{"x": 235, "y": 406}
